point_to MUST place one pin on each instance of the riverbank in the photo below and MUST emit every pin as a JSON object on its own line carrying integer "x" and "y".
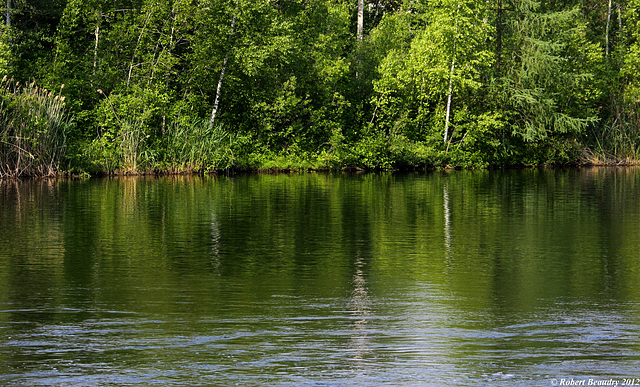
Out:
{"x": 111, "y": 88}
{"x": 228, "y": 153}
{"x": 289, "y": 169}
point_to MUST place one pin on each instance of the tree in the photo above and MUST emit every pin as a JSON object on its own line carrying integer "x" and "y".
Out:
{"x": 272, "y": 70}
{"x": 625, "y": 112}
{"x": 547, "y": 88}
{"x": 31, "y": 28}
{"x": 225, "y": 62}
{"x": 360, "y": 32}
{"x": 445, "y": 56}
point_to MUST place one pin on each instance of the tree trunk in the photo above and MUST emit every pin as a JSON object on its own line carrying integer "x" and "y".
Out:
{"x": 360, "y": 32}
{"x": 499, "y": 38}
{"x": 453, "y": 66}
{"x": 216, "y": 102}
{"x": 8, "y": 13}
{"x": 619, "y": 19}
{"x": 135, "y": 50}
{"x": 95, "y": 52}
{"x": 607, "y": 33}
{"x": 446, "y": 125}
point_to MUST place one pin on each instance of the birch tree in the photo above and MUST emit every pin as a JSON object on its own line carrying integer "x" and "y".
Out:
{"x": 225, "y": 62}
{"x": 453, "y": 66}
{"x": 445, "y": 57}
{"x": 609, "y": 10}
{"x": 360, "y": 29}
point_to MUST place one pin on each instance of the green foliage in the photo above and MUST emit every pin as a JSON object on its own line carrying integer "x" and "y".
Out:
{"x": 125, "y": 123}
{"x": 433, "y": 83}
{"x": 32, "y": 37}
{"x": 5, "y": 50}
{"x": 475, "y": 144}
{"x": 630, "y": 110}
{"x": 547, "y": 90}
{"x": 445, "y": 54}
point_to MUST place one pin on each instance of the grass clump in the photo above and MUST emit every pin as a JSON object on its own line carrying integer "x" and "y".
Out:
{"x": 33, "y": 127}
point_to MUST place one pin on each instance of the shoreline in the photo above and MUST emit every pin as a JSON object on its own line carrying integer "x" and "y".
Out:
{"x": 627, "y": 163}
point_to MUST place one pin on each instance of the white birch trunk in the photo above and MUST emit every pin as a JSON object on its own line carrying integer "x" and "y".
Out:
{"x": 216, "y": 102}
{"x": 453, "y": 66}
{"x": 619, "y": 18}
{"x": 135, "y": 50}
{"x": 446, "y": 124}
{"x": 360, "y": 32}
{"x": 95, "y": 53}
{"x": 608, "y": 25}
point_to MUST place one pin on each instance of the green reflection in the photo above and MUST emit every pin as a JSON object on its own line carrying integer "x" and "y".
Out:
{"x": 329, "y": 273}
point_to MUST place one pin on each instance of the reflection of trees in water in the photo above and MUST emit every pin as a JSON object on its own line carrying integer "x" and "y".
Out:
{"x": 360, "y": 308}
{"x": 447, "y": 219}
{"x": 27, "y": 196}
{"x": 215, "y": 242}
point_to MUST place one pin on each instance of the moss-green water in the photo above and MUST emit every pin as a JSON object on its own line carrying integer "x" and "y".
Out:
{"x": 448, "y": 278}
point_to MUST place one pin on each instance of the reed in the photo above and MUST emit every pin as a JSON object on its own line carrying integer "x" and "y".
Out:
{"x": 615, "y": 143}
{"x": 194, "y": 145}
{"x": 33, "y": 126}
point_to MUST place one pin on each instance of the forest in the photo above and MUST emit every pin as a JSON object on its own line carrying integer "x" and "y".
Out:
{"x": 171, "y": 86}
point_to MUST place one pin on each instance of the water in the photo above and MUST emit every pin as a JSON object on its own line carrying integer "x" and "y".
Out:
{"x": 462, "y": 278}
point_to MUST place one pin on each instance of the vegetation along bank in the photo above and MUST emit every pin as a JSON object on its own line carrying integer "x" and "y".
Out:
{"x": 108, "y": 86}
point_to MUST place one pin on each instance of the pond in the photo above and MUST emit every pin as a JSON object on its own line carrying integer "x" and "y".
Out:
{"x": 526, "y": 277}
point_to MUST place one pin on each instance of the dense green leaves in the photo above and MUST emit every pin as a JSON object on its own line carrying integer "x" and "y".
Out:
{"x": 432, "y": 82}
{"x": 546, "y": 90}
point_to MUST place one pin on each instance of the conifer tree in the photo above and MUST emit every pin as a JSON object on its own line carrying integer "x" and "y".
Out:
{"x": 544, "y": 88}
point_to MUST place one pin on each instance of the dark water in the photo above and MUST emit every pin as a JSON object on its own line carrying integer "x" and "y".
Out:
{"x": 463, "y": 278}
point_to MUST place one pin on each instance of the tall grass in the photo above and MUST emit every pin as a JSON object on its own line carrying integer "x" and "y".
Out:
{"x": 33, "y": 126}
{"x": 126, "y": 119}
{"x": 618, "y": 140}
{"x": 193, "y": 145}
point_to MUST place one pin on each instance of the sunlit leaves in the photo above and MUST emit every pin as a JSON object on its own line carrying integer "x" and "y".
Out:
{"x": 415, "y": 74}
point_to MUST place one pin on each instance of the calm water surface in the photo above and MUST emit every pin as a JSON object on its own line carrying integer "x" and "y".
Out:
{"x": 462, "y": 278}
